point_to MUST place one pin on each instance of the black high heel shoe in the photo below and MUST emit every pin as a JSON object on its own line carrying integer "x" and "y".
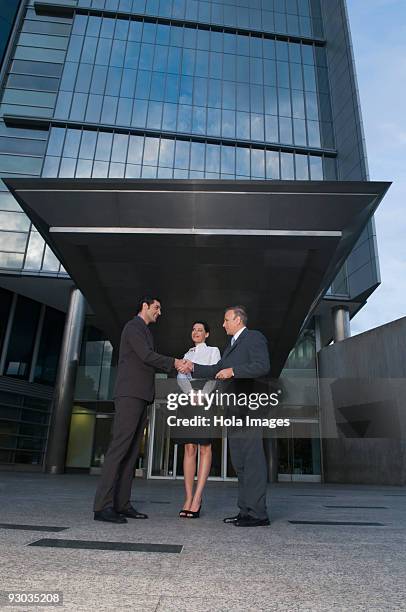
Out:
{"x": 183, "y": 513}
{"x": 193, "y": 515}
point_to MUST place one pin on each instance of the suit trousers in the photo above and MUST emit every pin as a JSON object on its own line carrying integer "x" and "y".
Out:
{"x": 248, "y": 458}
{"x": 114, "y": 489}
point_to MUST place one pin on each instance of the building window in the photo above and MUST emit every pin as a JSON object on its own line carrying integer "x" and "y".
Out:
{"x": 22, "y": 338}
{"x": 50, "y": 345}
{"x": 5, "y": 304}
{"x": 23, "y": 428}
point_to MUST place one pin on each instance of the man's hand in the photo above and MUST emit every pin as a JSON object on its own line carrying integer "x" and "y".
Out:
{"x": 183, "y": 366}
{"x": 226, "y": 373}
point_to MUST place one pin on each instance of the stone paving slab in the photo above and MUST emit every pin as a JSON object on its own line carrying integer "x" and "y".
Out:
{"x": 221, "y": 568}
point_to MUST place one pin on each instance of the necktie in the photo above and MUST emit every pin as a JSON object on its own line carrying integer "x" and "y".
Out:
{"x": 232, "y": 341}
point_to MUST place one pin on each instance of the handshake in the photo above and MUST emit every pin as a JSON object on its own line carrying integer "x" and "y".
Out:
{"x": 183, "y": 366}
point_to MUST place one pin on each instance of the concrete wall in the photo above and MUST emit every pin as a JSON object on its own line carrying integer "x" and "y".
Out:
{"x": 363, "y": 407}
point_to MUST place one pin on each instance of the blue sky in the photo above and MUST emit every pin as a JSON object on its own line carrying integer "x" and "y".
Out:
{"x": 378, "y": 30}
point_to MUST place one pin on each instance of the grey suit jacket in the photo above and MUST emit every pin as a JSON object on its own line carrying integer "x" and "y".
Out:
{"x": 138, "y": 362}
{"x": 249, "y": 358}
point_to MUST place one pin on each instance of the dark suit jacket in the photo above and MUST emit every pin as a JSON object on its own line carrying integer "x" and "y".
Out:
{"x": 138, "y": 361}
{"x": 249, "y": 358}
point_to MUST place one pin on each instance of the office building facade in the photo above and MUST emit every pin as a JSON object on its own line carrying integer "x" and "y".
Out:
{"x": 133, "y": 92}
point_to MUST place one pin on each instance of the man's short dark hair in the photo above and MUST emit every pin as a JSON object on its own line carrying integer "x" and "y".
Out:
{"x": 147, "y": 299}
{"x": 205, "y": 325}
{"x": 239, "y": 311}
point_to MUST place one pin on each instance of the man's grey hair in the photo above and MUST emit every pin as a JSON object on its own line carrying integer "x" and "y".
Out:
{"x": 239, "y": 311}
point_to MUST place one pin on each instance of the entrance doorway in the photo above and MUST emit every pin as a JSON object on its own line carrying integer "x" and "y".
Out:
{"x": 165, "y": 457}
{"x": 299, "y": 454}
{"x": 102, "y": 436}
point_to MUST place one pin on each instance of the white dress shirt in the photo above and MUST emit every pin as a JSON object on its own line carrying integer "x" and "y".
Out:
{"x": 202, "y": 355}
{"x": 236, "y": 335}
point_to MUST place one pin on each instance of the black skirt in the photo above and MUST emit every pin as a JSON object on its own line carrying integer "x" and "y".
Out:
{"x": 196, "y": 434}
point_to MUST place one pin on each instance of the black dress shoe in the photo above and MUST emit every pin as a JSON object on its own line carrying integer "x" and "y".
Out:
{"x": 250, "y": 521}
{"x": 132, "y": 513}
{"x": 233, "y": 519}
{"x": 109, "y": 515}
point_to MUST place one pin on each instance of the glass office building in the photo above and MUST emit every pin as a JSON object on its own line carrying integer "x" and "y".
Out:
{"x": 233, "y": 90}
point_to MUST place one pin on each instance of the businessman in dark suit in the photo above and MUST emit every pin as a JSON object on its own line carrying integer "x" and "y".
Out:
{"x": 245, "y": 359}
{"x": 134, "y": 390}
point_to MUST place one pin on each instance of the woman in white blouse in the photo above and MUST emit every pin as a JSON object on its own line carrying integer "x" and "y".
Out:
{"x": 204, "y": 355}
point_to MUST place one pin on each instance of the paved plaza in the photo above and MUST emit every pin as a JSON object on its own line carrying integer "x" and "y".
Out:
{"x": 329, "y": 547}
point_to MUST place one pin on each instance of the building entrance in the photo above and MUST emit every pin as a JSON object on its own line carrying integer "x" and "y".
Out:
{"x": 165, "y": 457}
{"x": 299, "y": 454}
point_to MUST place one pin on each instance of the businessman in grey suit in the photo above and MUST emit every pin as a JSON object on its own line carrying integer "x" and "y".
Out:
{"x": 245, "y": 359}
{"x": 134, "y": 390}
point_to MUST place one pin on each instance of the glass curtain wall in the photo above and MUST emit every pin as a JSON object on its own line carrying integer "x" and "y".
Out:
{"x": 23, "y": 428}
{"x": 295, "y": 17}
{"x": 166, "y": 89}
{"x": 8, "y": 11}
{"x": 299, "y": 451}
{"x": 24, "y": 413}
{"x": 156, "y": 89}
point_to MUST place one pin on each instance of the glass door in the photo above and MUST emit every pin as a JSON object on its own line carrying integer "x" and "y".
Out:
{"x": 161, "y": 455}
{"x": 101, "y": 440}
{"x": 165, "y": 456}
{"x": 102, "y": 434}
{"x": 81, "y": 434}
{"x": 299, "y": 455}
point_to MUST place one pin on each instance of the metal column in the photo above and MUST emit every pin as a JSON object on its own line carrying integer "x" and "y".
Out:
{"x": 273, "y": 460}
{"x": 341, "y": 323}
{"x": 37, "y": 343}
{"x": 65, "y": 384}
